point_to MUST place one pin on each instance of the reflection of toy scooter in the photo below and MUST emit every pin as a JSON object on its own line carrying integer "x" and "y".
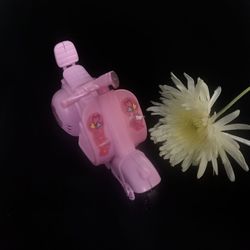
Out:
{"x": 109, "y": 123}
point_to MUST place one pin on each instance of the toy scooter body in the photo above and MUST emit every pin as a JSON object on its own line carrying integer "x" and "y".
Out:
{"x": 109, "y": 122}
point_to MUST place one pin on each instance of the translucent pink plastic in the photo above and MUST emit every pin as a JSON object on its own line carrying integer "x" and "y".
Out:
{"x": 108, "y": 122}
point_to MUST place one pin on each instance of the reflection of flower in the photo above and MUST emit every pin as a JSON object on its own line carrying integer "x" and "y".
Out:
{"x": 189, "y": 134}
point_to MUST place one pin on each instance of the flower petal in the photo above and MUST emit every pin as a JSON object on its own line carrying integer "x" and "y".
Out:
{"x": 239, "y": 139}
{"x": 156, "y": 109}
{"x": 215, "y": 165}
{"x": 202, "y": 166}
{"x": 237, "y": 155}
{"x": 169, "y": 90}
{"x": 190, "y": 82}
{"x": 231, "y": 140}
{"x": 236, "y": 126}
{"x": 214, "y": 97}
{"x": 228, "y": 118}
{"x": 177, "y": 82}
{"x": 203, "y": 90}
{"x": 187, "y": 162}
{"x": 227, "y": 165}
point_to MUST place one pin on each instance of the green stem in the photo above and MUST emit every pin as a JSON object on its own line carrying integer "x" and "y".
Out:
{"x": 230, "y": 104}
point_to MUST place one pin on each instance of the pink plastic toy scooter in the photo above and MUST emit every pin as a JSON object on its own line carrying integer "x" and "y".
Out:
{"x": 109, "y": 122}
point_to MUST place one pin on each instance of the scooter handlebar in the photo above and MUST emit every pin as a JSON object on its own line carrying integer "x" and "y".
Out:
{"x": 106, "y": 80}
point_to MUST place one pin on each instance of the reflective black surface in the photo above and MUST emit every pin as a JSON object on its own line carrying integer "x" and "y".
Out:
{"x": 51, "y": 196}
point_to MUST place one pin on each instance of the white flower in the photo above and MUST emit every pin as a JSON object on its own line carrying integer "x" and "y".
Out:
{"x": 189, "y": 134}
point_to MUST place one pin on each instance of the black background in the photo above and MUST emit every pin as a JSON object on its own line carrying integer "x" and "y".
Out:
{"x": 51, "y": 196}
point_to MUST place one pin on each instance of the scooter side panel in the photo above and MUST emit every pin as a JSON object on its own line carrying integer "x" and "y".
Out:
{"x": 95, "y": 139}
{"x": 67, "y": 118}
{"x": 132, "y": 115}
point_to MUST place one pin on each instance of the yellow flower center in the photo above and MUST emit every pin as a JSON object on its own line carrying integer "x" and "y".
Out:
{"x": 192, "y": 126}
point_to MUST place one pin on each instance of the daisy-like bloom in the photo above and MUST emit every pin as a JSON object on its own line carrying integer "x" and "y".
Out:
{"x": 189, "y": 134}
